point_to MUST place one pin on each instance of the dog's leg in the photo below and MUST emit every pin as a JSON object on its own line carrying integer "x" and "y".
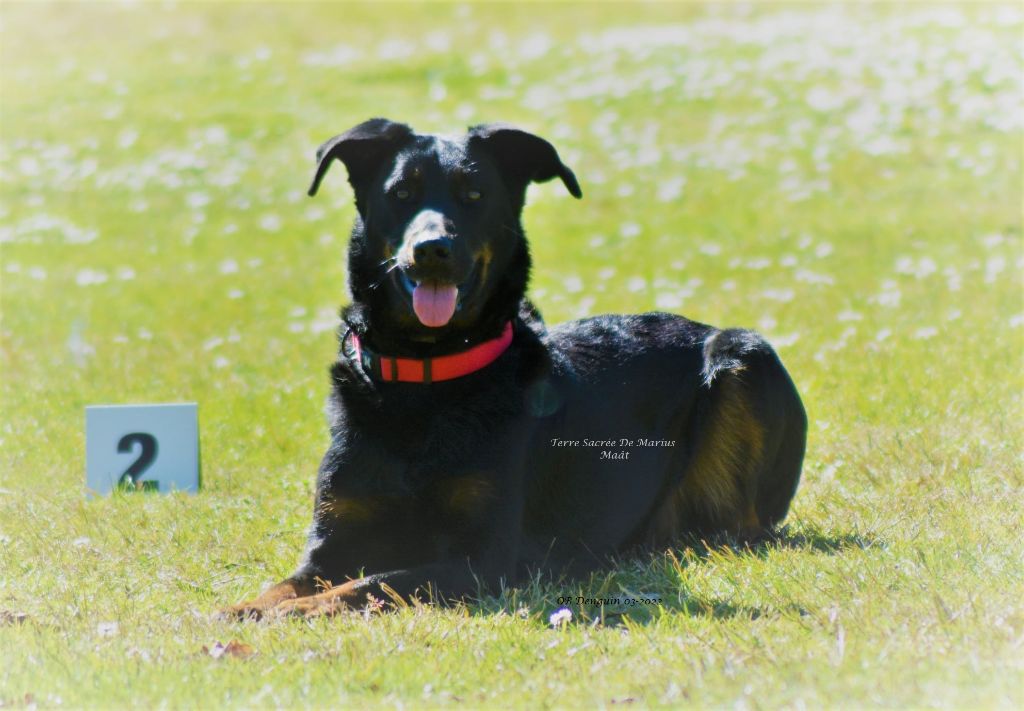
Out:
{"x": 721, "y": 484}
{"x": 350, "y": 533}
{"x": 290, "y": 589}
{"x": 749, "y": 446}
{"x": 441, "y": 582}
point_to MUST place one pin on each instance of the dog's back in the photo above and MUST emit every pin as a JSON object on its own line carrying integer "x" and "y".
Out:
{"x": 653, "y": 425}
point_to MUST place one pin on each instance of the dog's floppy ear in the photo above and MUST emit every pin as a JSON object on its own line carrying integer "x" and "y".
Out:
{"x": 360, "y": 148}
{"x": 524, "y": 157}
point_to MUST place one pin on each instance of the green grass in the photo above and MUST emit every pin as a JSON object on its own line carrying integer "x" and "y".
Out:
{"x": 845, "y": 179}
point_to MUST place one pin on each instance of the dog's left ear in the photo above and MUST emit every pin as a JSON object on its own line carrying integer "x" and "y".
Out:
{"x": 361, "y": 149}
{"x": 524, "y": 157}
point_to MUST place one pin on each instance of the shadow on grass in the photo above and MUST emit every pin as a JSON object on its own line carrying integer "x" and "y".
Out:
{"x": 619, "y": 608}
{"x": 809, "y": 539}
{"x": 618, "y": 594}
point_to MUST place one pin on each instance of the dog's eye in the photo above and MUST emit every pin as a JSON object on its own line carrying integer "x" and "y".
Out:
{"x": 403, "y": 194}
{"x": 473, "y": 195}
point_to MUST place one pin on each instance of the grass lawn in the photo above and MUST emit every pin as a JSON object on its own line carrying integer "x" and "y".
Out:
{"x": 846, "y": 179}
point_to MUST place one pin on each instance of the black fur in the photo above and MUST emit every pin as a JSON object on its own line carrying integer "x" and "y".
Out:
{"x": 453, "y": 484}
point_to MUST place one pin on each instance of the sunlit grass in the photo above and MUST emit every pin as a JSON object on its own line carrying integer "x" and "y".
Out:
{"x": 846, "y": 179}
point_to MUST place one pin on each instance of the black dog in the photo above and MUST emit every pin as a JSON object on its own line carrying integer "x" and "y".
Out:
{"x": 470, "y": 445}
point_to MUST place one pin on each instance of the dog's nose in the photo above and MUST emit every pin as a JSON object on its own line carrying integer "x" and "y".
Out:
{"x": 432, "y": 251}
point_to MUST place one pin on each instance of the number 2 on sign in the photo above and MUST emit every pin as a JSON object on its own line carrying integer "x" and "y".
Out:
{"x": 129, "y": 481}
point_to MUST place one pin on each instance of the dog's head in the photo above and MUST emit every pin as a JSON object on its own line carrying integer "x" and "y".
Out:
{"x": 437, "y": 246}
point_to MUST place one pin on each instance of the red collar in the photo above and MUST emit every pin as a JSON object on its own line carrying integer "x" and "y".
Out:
{"x": 433, "y": 370}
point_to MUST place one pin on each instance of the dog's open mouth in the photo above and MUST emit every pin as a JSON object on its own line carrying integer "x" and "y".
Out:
{"x": 434, "y": 302}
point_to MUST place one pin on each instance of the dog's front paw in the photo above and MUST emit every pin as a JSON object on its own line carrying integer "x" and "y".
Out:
{"x": 249, "y": 610}
{"x": 258, "y": 608}
{"x": 325, "y": 604}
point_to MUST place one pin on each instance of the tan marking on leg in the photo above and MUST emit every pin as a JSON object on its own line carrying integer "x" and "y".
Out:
{"x": 468, "y": 494}
{"x": 348, "y": 508}
{"x": 725, "y": 460}
{"x": 751, "y": 520}
{"x": 256, "y": 609}
{"x": 718, "y": 482}
{"x": 347, "y": 596}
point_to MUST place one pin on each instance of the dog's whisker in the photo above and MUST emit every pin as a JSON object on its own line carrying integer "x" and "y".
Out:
{"x": 383, "y": 278}
{"x": 387, "y": 271}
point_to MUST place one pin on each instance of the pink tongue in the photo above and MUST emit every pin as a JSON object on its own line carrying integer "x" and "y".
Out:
{"x": 434, "y": 304}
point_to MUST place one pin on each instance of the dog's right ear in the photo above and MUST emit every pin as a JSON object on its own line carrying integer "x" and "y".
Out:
{"x": 361, "y": 149}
